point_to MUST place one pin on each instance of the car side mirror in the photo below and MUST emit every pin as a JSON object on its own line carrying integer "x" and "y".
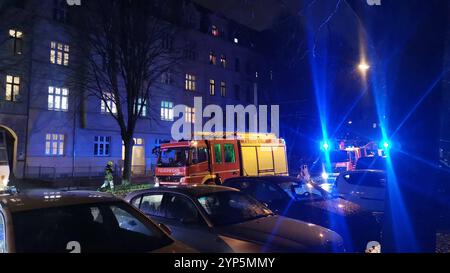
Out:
{"x": 165, "y": 228}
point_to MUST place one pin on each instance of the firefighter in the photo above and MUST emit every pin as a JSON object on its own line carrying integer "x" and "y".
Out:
{"x": 109, "y": 179}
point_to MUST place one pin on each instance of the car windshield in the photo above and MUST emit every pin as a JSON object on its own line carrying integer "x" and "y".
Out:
{"x": 300, "y": 190}
{"x": 226, "y": 208}
{"x": 373, "y": 163}
{"x": 105, "y": 227}
{"x": 173, "y": 157}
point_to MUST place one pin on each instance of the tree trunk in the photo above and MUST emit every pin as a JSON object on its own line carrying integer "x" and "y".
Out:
{"x": 126, "y": 175}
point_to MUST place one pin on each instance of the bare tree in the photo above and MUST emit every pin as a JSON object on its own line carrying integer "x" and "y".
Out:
{"x": 124, "y": 50}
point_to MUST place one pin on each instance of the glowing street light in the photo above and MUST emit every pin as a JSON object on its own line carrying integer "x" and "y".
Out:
{"x": 363, "y": 67}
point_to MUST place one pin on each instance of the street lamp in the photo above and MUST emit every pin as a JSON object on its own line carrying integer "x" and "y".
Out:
{"x": 363, "y": 67}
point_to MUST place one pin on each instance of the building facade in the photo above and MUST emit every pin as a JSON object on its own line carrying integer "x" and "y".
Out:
{"x": 48, "y": 134}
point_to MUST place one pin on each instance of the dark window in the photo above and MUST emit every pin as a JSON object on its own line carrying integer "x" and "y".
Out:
{"x": 182, "y": 209}
{"x": 199, "y": 155}
{"x": 102, "y": 145}
{"x": 152, "y": 205}
{"x": 237, "y": 91}
{"x": 218, "y": 153}
{"x": 237, "y": 65}
{"x": 103, "y": 228}
{"x": 230, "y": 156}
{"x": 60, "y": 12}
{"x": 167, "y": 42}
{"x": 190, "y": 52}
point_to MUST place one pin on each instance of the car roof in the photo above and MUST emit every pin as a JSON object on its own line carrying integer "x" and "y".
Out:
{"x": 40, "y": 199}
{"x": 189, "y": 190}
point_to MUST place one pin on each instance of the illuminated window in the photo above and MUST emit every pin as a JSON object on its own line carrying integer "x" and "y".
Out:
{"x": 166, "y": 111}
{"x": 102, "y": 146}
{"x": 142, "y": 104}
{"x": 215, "y": 31}
{"x": 58, "y": 99}
{"x": 212, "y": 87}
{"x": 16, "y": 37}
{"x": 59, "y": 53}
{"x": 212, "y": 58}
{"x": 223, "y": 61}
{"x": 54, "y": 144}
{"x": 189, "y": 114}
{"x": 223, "y": 89}
{"x": 108, "y": 104}
{"x": 166, "y": 77}
{"x": 190, "y": 82}
{"x": 12, "y": 88}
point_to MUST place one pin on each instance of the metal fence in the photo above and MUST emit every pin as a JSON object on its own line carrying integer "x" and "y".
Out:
{"x": 88, "y": 172}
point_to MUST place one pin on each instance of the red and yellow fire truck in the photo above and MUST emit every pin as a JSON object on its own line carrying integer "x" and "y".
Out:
{"x": 219, "y": 157}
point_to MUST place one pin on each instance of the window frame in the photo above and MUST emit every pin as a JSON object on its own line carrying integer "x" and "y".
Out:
{"x": 106, "y": 143}
{"x": 223, "y": 89}
{"x": 108, "y": 101}
{"x": 212, "y": 87}
{"x": 58, "y": 97}
{"x": 11, "y": 85}
{"x": 60, "y": 144}
{"x": 190, "y": 83}
{"x": 167, "y": 111}
{"x": 59, "y": 53}
{"x": 17, "y": 37}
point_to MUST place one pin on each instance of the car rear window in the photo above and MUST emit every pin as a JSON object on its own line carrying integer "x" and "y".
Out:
{"x": 366, "y": 179}
{"x": 106, "y": 227}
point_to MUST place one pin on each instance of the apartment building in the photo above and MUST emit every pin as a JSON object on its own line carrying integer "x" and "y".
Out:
{"x": 45, "y": 133}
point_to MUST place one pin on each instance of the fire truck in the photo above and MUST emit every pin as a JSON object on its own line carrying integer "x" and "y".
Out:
{"x": 219, "y": 156}
{"x": 345, "y": 157}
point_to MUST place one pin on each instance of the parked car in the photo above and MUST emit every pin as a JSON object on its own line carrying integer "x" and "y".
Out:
{"x": 366, "y": 188}
{"x": 78, "y": 222}
{"x": 371, "y": 163}
{"x": 295, "y": 198}
{"x": 223, "y": 220}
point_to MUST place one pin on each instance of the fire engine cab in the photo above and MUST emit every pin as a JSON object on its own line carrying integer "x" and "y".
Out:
{"x": 220, "y": 156}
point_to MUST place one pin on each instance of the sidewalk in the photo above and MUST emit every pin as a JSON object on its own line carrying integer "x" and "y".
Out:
{"x": 72, "y": 184}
